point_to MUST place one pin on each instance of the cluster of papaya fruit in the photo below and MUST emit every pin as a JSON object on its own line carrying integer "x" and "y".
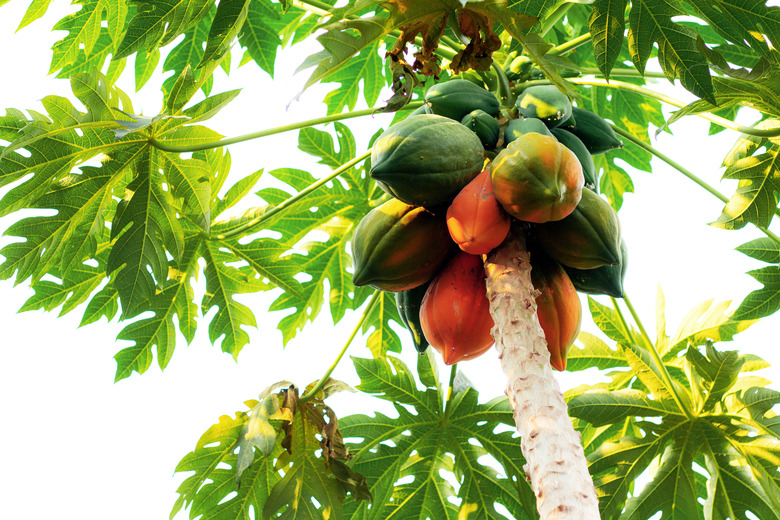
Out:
{"x": 460, "y": 173}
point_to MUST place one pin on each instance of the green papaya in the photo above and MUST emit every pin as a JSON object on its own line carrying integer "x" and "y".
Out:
{"x": 484, "y": 125}
{"x": 458, "y": 97}
{"x": 545, "y": 102}
{"x": 517, "y": 127}
{"x": 586, "y": 239}
{"x": 594, "y": 131}
{"x": 397, "y": 246}
{"x": 408, "y": 303}
{"x": 424, "y": 109}
{"x": 573, "y": 143}
{"x": 607, "y": 279}
{"x": 519, "y": 69}
{"x": 425, "y": 160}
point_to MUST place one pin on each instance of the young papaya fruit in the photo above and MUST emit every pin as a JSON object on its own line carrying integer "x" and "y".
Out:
{"x": 397, "y": 246}
{"x": 557, "y": 306}
{"x": 409, "y": 303}
{"x": 545, "y": 102}
{"x": 476, "y": 221}
{"x": 484, "y": 125}
{"x": 521, "y": 126}
{"x": 537, "y": 179}
{"x": 519, "y": 69}
{"x": 457, "y": 97}
{"x": 425, "y": 160}
{"x": 594, "y": 131}
{"x": 607, "y": 279}
{"x": 455, "y": 312}
{"x": 573, "y": 143}
{"x": 586, "y": 239}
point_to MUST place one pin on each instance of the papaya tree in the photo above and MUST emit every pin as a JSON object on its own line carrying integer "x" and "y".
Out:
{"x": 508, "y": 129}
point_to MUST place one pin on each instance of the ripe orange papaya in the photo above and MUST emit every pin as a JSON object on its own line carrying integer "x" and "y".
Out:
{"x": 455, "y": 312}
{"x": 397, "y": 246}
{"x": 537, "y": 179}
{"x": 476, "y": 221}
{"x": 557, "y": 306}
{"x": 586, "y": 239}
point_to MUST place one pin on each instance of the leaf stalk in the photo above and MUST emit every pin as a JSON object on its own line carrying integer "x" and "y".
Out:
{"x": 161, "y": 145}
{"x": 658, "y": 361}
{"x": 292, "y": 200}
{"x": 324, "y": 379}
{"x": 571, "y": 44}
{"x": 631, "y": 137}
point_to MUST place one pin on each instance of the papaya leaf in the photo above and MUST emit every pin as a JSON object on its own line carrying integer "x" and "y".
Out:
{"x": 236, "y": 193}
{"x": 73, "y": 290}
{"x": 594, "y": 353}
{"x": 764, "y": 249}
{"x": 229, "y": 18}
{"x": 600, "y": 407}
{"x": 223, "y": 282}
{"x": 145, "y": 63}
{"x": 187, "y": 52}
{"x": 307, "y": 490}
{"x": 754, "y": 200}
{"x": 672, "y": 489}
{"x": 157, "y": 23}
{"x": 418, "y": 444}
{"x": 735, "y": 488}
{"x": 649, "y": 373}
{"x": 616, "y": 465}
{"x": 383, "y": 338}
{"x": 145, "y": 226}
{"x": 764, "y": 301}
{"x": 608, "y": 321}
{"x": 105, "y": 303}
{"x": 733, "y": 19}
{"x": 158, "y": 333}
{"x": 607, "y": 25}
{"x": 705, "y": 322}
{"x": 205, "y": 491}
{"x": 260, "y": 34}
{"x": 717, "y": 370}
{"x": 36, "y": 9}
{"x": 84, "y": 28}
{"x": 366, "y": 65}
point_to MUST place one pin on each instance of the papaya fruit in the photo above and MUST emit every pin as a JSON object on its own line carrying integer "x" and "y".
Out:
{"x": 476, "y": 221}
{"x": 457, "y": 97}
{"x": 425, "y": 160}
{"x": 397, "y": 246}
{"x": 594, "y": 131}
{"x": 519, "y": 69}
{"x": 586, "y": 239}
{"x": 484, "y": 125}
{"x": 455, "y": 312}
{"x": 517, "y": 127}
{"x": 573, "y": 143}
{"x": 557, "y": 306}
{"x": 545, "y": 102}
{"x": 537, "y": 179}
{"x": 607, "y": 279}
{"x": 408, "y": 303}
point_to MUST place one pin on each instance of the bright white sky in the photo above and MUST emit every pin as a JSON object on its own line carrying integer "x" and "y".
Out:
{"x": 78, "y": 445}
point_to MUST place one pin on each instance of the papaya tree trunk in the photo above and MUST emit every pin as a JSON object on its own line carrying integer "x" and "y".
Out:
{"x": 556, "y": 464}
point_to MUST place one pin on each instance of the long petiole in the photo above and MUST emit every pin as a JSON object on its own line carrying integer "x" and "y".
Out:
{"x": 631, "y": 137}
{"x": 161, "y": 145}
{"x": 658, "y": 361}
{"x": 292, "y": 200}
{"x": 324, "y": 379}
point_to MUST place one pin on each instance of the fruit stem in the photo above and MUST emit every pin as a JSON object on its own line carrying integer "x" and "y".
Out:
{"x": 720, "y": 121}
{"x": 504, "y": 90}
{"x": 631, "y": 137}
{"x": 450, "y": 392}
{"x": 658, "y": 361}
{"x": 161, "y": 145}
{"x": 324, "y": 379}
{"x": 292, "y": 200}
{"x": 571, "y": 44}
